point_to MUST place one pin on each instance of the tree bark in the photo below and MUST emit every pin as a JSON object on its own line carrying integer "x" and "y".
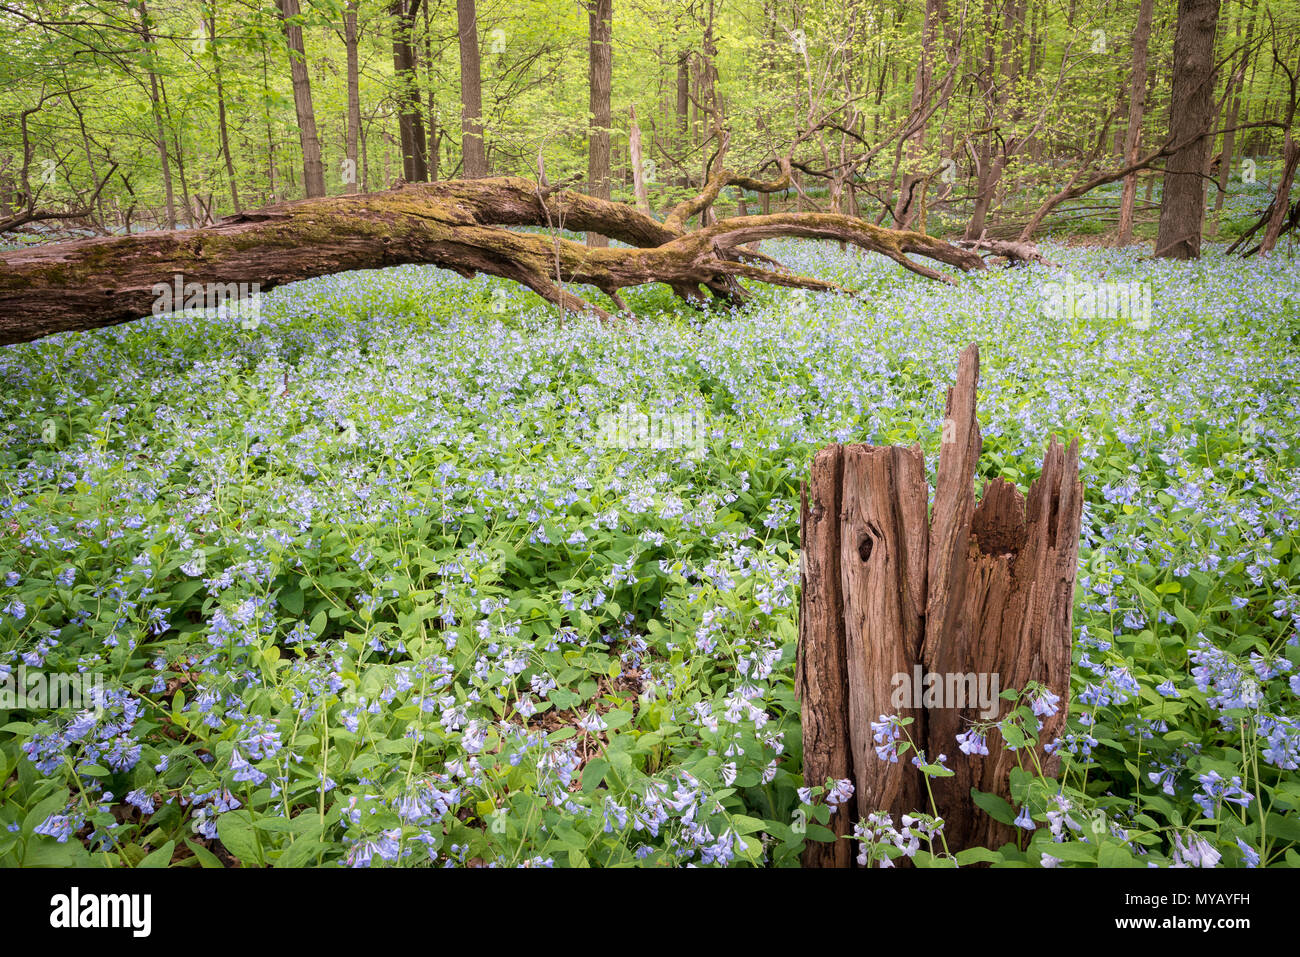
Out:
{"x": 99, "y": 282}
{"x": 222, "y": 126}
{"x": 638, "y": 164}
{"x": 471, "y": 92}
{"x": 822, "y": 677}
{"x": 1001, "y": 600}
{"x": 683, "y": 109}
{"x": 1133, "y": 136}
{"x": 906, "y": 208}
{"x": 969, "y": 603}
{"x": 354, "y": 93}
{"x": 1191, "y": 109}
{"x": 883, "y": 542}
{"x": 313, "y": 172}
{"x": 410, "y": 119}
{"x": 600, "y": 50}
{"x": 146, "y": 35}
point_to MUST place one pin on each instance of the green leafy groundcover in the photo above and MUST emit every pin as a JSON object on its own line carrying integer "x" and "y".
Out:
{"x": 388, "y": 569}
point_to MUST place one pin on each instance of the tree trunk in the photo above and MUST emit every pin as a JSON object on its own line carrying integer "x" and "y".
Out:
{"x": 430, "y": 85}
{"x": 92, "y": 283}
{"x": 1278, "y": 215}
{"x": 221, "y": 110}
{"x": 354, "y": 95}
{"x": 1000, "y": 602}
{"x": 893, "y": 601}
{"x": 1191, "y": 110}
{"x": 410, "y": 120}
{"x": 1133, "y": 137}
{"x": 164, "y": 160}
{"x": 638, "y": 167}
{"x": 906, "y": 207}
{"x": 471, "y": 92}
{"x": 313, "y": 172}
{"x": 270, "y": 129}
{"x": 683, "y": 108}
{"x": 600, "y": 15}
{"x": 1237, "y": 84}
{"x": 179, "y": 153}
{"x": 822, "y": 676}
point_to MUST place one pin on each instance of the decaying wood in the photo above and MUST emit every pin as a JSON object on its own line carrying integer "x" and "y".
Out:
{"x": 976, "y": 589}
{"x": 458, "y": 225}
{"x": 882, "y": 562}
{"x": 1015, "y": 252}
{"x": 1001, "y": 596}
{"x": 822, "y": 676}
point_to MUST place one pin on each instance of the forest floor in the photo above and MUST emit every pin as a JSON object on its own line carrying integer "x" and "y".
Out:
{"x": 397, "y": 567}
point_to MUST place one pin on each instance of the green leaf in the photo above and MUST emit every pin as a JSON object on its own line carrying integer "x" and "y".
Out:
{"x": 236, "y": 831}
{"x": 1020, "y": 782}
{"x": 302, "y": 851}
{"x": 47, "y": 852}
{"x": 159, "y": 858}
{"x": 743, "y": 824}
{"x": 206, "y": 857}
{"x": 994, "y": 806}
{"x": 1186, "y": 618}
{"x": 1115, "y": 855}
{"x": 1071, "y": 851}
{"x": 593, "y": 774}
{"x": 291, "y": 601}
{"x": 978, "y": 855}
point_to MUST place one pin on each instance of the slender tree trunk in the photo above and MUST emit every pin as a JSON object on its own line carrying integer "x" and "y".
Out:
{"x": 270, "y": 129}
{"x": 1136, "y": 103}
{"x": 180, "y": 164}
{"x": 435, "y": 133}
{"x": 471, "y": 92}
{"x": 313, "y": 172}
{"x": 354, "y": 95}
{"x": 638, "y": 164}
{"x": 904, "y": 207}
{"x": 1191, "y": 111}
{"x": 365, "y": 162}
{"x": 222, "y": 126}
{"x": 683, "y": 108}
{"x": 1234, "y": 112}
{"x": 987, "y": 158}
{"x": 146, "y": 35}
{"x": 601, "y": 23}
{"x": 415, "y": 165}
{"x": 1290, "y": 158}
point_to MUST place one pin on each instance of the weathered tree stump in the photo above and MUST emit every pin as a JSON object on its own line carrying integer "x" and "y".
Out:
{"x": 981, "y": 589}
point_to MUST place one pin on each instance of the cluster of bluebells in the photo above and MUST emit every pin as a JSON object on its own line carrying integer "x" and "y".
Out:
{"x": 164, "y": 581}
{"x": 880, "y": 842}
{"x": 104, "y": 735}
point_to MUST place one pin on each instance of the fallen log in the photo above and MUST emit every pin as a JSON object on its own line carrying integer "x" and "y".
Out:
{"x": 459, "y": 225}
{"x": 1015, "y": 252}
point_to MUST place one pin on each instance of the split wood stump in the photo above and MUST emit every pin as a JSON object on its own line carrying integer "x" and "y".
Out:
{"x": 890, "y": 595}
